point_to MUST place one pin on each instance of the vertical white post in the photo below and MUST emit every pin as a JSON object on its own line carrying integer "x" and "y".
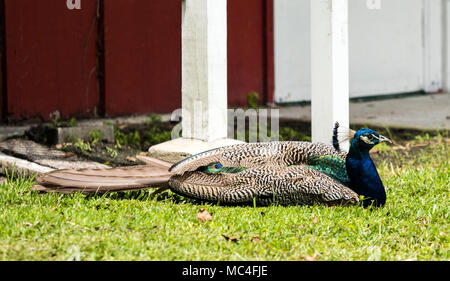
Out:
{"x": 204, "y": 69}
{"x": 329, "y": 68}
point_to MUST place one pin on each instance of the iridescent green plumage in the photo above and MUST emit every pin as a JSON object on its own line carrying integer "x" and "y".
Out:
{"x": 330, "y": 165}
{"x": 214, "y": 168}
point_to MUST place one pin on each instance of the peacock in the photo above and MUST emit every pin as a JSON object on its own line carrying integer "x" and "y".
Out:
{"x": 284, "y": 173}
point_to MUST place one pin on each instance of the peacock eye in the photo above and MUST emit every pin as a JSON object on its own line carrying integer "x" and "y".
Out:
{"x": 217, "y": 166}
{"x": 370, "y": 137}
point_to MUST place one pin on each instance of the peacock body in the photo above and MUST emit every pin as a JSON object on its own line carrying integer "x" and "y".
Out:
{"x": 285, "y": 173}
{"x": 275, "y": 172}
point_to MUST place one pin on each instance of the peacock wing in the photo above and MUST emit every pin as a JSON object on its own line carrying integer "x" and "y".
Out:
{"x": 293, "y": 185}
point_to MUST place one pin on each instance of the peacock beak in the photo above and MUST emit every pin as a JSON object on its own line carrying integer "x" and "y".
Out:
{"x": 382, "y": 138}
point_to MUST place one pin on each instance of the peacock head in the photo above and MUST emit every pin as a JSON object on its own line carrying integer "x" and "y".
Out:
{"x": 366, "y": 139}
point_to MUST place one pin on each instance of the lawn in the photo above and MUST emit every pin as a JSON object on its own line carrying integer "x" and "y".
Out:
{"x": 414, "y": 224}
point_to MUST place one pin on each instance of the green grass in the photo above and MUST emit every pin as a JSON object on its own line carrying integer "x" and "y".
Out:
{"x": 414, "y": 225}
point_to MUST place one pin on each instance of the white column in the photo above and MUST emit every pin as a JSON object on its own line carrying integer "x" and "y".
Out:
{"x": 204, "y": 69}
{"x": 329, "y": 68}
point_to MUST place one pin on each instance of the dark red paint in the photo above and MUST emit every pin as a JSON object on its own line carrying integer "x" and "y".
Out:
{"x": 269, "y": 76}
{"x": 51, "y": 58}
{"x": 245, "y": 50}
{"x": 54, "y": 61}
{"x": 3, "y": 88}
{"x": 143, "y": 56}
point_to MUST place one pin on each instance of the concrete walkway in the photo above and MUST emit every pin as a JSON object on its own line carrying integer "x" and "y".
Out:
{"x": 426, "y": 112}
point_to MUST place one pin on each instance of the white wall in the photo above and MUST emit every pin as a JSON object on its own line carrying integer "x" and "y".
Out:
{"x": 386, "y": 51}
{"x": 446, "y": 20}
{"x": 387, "y": 48}
{"x": 433, "y": 45}
{"x": 292, "y": 50}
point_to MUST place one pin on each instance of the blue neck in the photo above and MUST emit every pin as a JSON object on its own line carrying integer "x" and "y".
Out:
{"x": 363, "y": 175}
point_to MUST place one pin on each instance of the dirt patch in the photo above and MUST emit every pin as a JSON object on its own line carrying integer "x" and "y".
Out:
{"x": 107, "y": 154}
{"x": 130, "y": 140}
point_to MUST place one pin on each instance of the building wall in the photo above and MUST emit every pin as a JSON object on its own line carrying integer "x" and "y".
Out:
{"x": 392, "y": 49}
{"x": 446, "y": 20}
{"x": 292, "y": 50}
{"x": 386, "y": 52}
{"x": 3, "y": 102}
{"x": 117, "y": 57}
{"x": 142, "y": 56}
{"x": 51, "y": 59}
{"x": 250, "y": 61}
{"x": 433, "y": 45}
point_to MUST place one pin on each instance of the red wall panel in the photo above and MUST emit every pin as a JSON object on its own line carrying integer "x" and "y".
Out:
{"x": 269, "y": 75}
{"x": 2, "y": 60}
{"x": 249, "y": 50}
{"x": 142, "y": 56}
{"x": 51, "y": 58}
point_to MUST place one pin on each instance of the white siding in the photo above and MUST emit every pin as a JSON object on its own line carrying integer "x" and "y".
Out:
{"x": 386, "y": 51}
{"x": 292, "y": 50}
{"x": 386, "y": 45}
{"x": 447, "y": 45}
